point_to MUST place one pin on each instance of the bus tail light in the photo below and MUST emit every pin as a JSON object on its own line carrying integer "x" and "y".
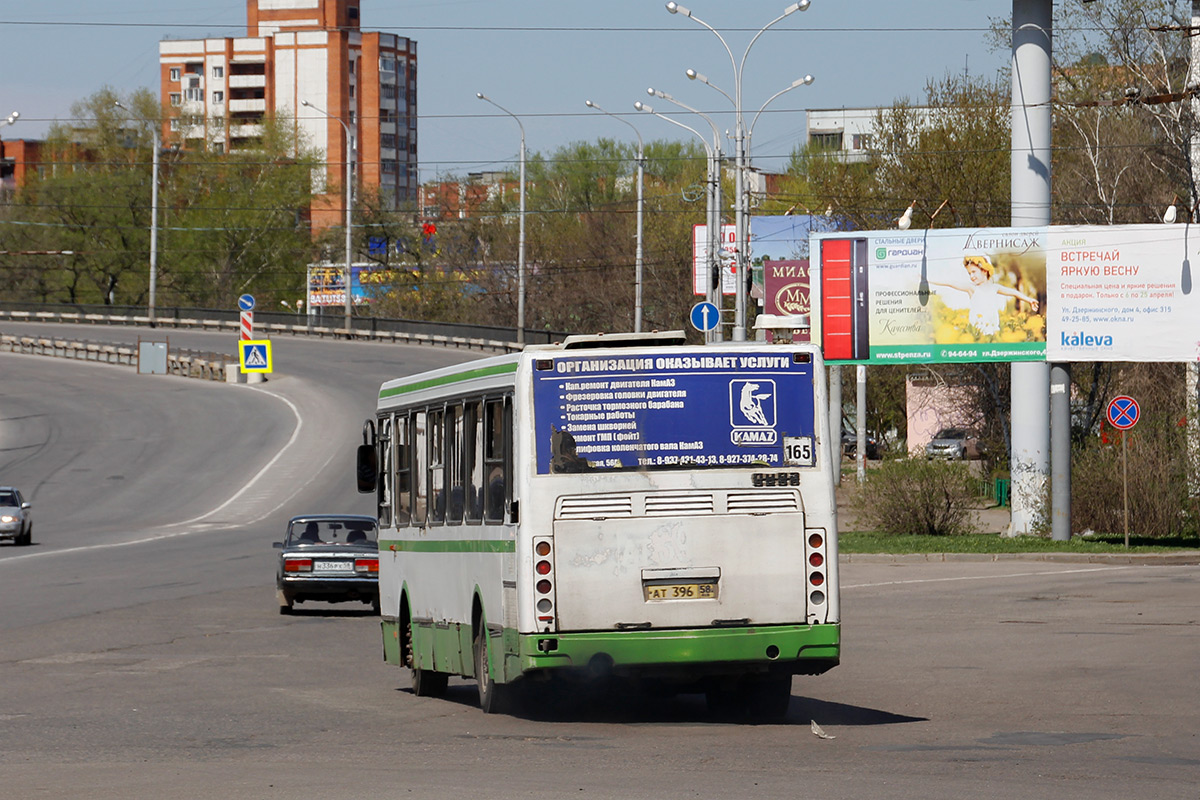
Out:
{"x": 815, "y": 558}
{"x": 297, "y": 565}
{"x": 368, "y": 566}
{"x": 543, "y": 568}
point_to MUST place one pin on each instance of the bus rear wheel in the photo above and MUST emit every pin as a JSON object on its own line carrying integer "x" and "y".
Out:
{"x": 427, "y": 683}
{"x": 760, "y": 698}
{"x": 494, "y": 698}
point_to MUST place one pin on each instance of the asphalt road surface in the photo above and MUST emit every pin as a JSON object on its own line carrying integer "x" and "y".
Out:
{"x": 142, "y": 653}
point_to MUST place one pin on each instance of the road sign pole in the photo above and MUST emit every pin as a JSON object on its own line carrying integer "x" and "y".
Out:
{"x": 1125, "y": 481}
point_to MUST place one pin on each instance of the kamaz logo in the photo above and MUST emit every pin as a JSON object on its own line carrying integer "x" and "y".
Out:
{"x": 753, "y": 436}
{"x": 1084, "y": 340}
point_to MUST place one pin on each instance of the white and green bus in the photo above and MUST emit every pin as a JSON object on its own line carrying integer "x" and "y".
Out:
{"x": 623, "y": 505}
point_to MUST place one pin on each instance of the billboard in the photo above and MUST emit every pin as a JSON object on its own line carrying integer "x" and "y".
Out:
{"x": 326, "y": 283}
{"x": 1058, "y": 293}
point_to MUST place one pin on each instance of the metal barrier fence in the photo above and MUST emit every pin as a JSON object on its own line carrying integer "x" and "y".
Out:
{"x": 184, "y": 363}
{"x": 333, "y": 325}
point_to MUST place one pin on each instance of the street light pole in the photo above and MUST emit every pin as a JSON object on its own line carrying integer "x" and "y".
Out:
{"x": 520, "y": 225}
{"x": 713, "y": 287}
{"x": 741, "y": 156}
{"x": 641, "y": 161}
{"x": 349, "y": 212}
{"x": 154, "y": 160}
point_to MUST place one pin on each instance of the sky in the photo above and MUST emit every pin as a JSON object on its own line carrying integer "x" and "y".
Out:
{"x": 541, "y": 60}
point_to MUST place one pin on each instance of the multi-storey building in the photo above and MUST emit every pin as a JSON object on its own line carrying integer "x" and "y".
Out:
{"x": 298, "y": 51}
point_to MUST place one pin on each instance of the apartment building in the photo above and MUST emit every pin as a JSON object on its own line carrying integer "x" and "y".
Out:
{"x": 357, "y": 83}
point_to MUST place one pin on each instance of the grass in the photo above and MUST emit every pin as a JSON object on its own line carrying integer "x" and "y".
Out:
{"x": 991, "y": 543}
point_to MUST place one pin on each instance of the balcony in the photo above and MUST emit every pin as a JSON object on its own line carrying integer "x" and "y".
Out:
{"x": 236, "y": 106}
{"x": 247, "y": 81}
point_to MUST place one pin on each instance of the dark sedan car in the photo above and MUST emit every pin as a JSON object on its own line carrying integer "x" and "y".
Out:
{"x": 328, "y": 557}
{"x": 16, "y": 517}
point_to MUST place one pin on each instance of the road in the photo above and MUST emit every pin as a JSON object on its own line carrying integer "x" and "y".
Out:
{"x": 142, "y": 655}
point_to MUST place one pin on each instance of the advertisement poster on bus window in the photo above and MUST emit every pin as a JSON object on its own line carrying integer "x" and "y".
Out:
{"x": 930, "y": 296}
{"x": 693, "y": 409}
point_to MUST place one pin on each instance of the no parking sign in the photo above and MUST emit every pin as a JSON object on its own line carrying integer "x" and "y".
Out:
{"x": 1123, "y": 412}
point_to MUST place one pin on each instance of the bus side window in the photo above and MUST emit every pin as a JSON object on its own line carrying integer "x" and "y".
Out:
{"x": 383, "y": 499}
{"x": 455, "y": 456}
{"x": 420, "y": 466}
{"x": 473, "y": 467}
{"x": 437, "y": 465}
{"x": 495, "y": 465}
{"x": 403, "y": 453}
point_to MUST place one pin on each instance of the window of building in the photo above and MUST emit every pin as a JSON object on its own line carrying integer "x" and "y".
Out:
{"x": 388, "y": 141}
{"x": 352, "y": 12}
{"x": 388, "y": 165}
{"x": 194, "y": 95}
{"x": 174, "y": 74}
{"x": 861, "y": 141}
{"x": 218, "y": 98}
{"x": 218, "y": 72}
{"x": 387, "y": 65}
{"x": 176, "y": 98}
{"x": 826, "y": 141}
{"x": 195, "y": 68}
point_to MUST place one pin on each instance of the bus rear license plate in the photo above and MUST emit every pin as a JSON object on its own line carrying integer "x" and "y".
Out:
{"x": 680, "y": 591}
{"x": 332, "y": 566}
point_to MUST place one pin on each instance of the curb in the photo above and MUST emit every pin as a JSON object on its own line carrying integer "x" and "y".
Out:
{"x": 1184, "y": 558}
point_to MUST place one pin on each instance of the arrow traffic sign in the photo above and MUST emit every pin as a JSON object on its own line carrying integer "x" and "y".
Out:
{"x": 705, "y": 316}
{"x": 246, "y": 302}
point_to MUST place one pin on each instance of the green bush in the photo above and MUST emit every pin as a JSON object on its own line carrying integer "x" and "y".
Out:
{"x": 1159, "y": 505}
{"x": 916, "y": 496}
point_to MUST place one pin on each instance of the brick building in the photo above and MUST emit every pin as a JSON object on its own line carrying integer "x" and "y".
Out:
{"x": 220, "y": 90}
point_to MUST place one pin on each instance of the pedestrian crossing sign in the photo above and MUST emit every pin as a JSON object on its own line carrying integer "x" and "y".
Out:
{"x": 255, "y": 355}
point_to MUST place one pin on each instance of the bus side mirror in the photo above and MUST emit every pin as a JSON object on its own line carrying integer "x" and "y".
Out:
{"x": 368, "y": 468}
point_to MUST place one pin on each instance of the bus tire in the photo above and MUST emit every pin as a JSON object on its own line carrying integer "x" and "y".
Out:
{"x": 493, "y": 697}
{"x": 768, "y": 698}
{"x": 427, "y": 683}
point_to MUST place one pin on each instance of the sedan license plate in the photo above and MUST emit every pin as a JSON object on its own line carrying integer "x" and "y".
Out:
{"x": 333, "y": 566}
{"x": 680, "y": 591}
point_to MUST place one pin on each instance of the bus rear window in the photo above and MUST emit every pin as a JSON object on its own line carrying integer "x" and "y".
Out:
{"x": 696, "y": 408}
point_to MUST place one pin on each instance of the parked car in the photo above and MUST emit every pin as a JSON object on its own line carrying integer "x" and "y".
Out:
{"x": 16, "y": 517}
{"x": 328, "y": 557}
{"x": 850, "y": 445}
{"x": 955, "y": 444}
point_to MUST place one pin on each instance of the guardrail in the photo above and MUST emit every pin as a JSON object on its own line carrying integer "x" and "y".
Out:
{"x": 184, "y": 363}
{"x": 373, "y": 333}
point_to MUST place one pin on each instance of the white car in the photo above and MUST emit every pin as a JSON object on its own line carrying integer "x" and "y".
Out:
{"x": 16, "y": 517}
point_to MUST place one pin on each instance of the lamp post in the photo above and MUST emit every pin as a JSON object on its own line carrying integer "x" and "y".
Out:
{"x": 520, "y": 226}
{"x": 154, "y": 129}
{"x": 741, "y": 153}
{"x": 349, "y": 211}
{"x": 712, "y": 277}
{"x": 641, "y": 162}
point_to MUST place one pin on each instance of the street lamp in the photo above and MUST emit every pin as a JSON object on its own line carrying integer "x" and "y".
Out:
{"x": 349, "y": 210}
{"x": 742, "y": 154}
{"x": 713, "y": 287}
{"x": 520, "y": 225}
{"x": 641, "y": 162}
{"x": 154, "y": 129}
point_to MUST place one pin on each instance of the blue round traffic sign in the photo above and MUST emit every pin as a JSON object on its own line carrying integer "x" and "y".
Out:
{"x": 705, "y": 316}
{"x": 1123, "y": 412}
{"x": 246, "y": 302}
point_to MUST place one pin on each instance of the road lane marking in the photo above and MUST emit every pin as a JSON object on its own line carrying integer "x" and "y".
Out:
{"x": 983, "y": 577}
